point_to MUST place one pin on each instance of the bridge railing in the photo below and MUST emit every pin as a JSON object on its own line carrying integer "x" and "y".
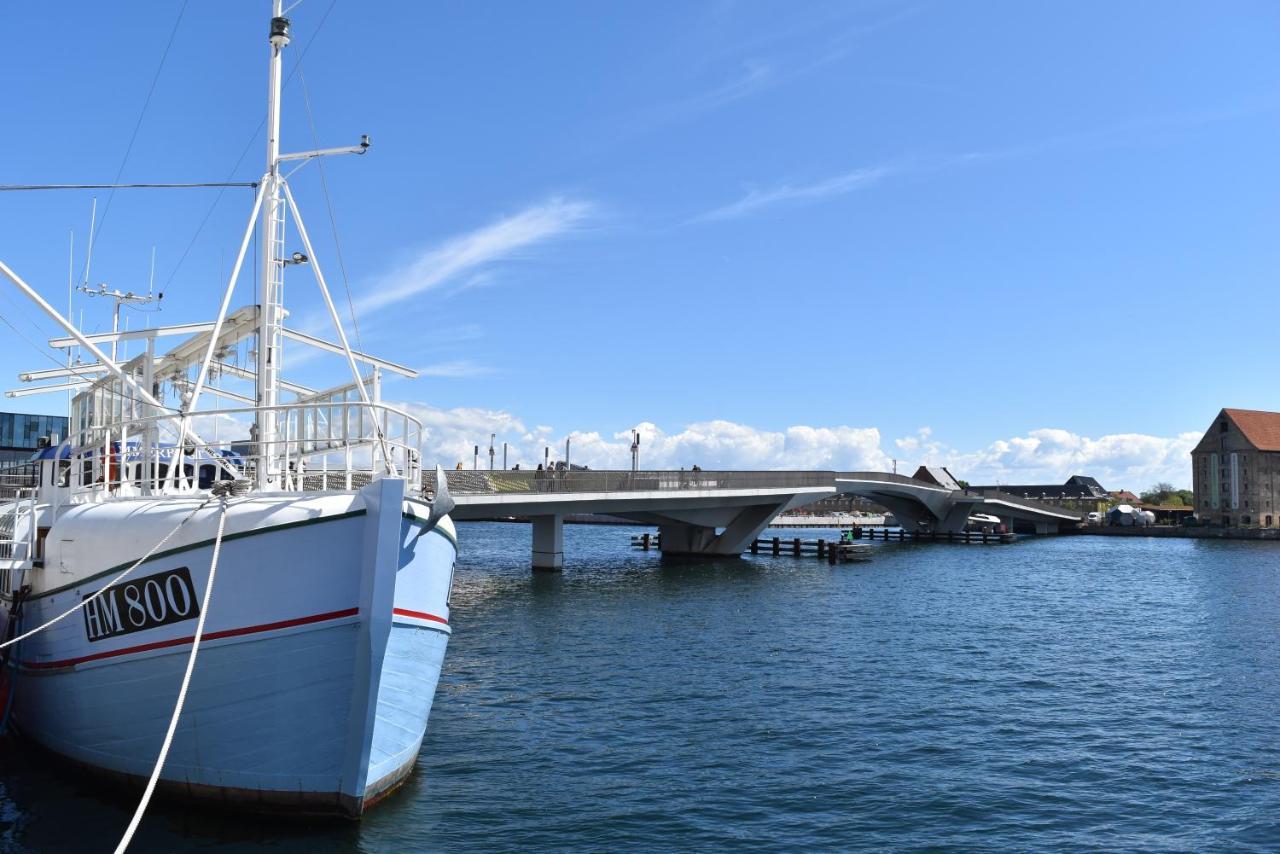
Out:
{"x": 478, "y": 482}
{"x": 882, "y": 477}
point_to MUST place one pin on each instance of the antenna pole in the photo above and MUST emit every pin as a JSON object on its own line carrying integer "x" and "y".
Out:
{"x": 71, "y": 277}
{"x": 270, "y": 319}
{"x": 88, "y": 258}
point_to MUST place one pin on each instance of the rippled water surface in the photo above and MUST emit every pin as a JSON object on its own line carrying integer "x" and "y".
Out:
{"x": 1065, "y": 693}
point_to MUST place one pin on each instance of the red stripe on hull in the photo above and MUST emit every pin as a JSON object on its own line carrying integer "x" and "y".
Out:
{"x": 420, "y": 615}
{"x": 226, "y": 633}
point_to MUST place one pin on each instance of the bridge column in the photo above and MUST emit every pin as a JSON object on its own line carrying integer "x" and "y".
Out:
{"x": 548, "y": 542}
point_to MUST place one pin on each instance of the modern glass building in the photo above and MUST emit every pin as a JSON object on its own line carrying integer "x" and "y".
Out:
{"x": 20, "y": 434}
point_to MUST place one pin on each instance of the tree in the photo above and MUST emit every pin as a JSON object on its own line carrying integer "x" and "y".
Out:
{"x": 1158, "y": 494}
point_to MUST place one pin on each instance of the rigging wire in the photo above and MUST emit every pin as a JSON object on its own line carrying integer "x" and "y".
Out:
{"x": 142, "y": 115}
{"x": 13, "y": 188}
{"x": 333, "y": 219}
{"x": 243, "y": 153}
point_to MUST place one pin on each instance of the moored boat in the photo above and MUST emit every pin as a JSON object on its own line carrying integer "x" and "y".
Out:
{"x": 287, "y": 587}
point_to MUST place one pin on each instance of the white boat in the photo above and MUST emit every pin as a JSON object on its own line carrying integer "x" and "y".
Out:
{"x": 983, "y": 523}
{"x": 325, "y": 627}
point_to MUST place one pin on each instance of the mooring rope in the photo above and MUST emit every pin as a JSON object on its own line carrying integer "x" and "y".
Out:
{"x": 112, "y": 582}
{"x": 186, "y": 679}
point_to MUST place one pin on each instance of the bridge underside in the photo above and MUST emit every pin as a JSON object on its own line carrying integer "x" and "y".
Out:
{"x": 918, "y": 506}
{"x": 693, "y": 522}
{"x": 922, "y": 506}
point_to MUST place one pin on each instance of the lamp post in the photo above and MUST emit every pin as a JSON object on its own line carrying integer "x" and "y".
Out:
{"x": 635, "y": 450}
{"x": 492, "y": 436}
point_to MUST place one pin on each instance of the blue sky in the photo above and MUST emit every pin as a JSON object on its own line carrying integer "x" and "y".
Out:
{"x": 1022, "y": 239}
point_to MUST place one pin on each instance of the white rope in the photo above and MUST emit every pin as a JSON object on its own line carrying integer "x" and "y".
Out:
{"x": 110, "y": 583}
{"x": 182, "y": 692}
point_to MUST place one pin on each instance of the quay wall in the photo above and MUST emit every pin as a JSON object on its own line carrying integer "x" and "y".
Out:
{"x": 1171, "y": 532}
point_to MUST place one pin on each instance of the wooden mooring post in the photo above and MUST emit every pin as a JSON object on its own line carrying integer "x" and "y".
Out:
{"x": 843, "y": 550}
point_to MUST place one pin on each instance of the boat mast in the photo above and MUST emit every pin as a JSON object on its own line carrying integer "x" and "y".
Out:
{"x": 270, "y": 317}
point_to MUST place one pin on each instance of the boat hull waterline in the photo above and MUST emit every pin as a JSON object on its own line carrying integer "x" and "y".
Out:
{"x": 325, "y": 635}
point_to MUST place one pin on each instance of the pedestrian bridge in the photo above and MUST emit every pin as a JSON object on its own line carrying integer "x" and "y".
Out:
{"x": 923, "y": 505}
{"x": 719, "y": 512}
{"x": 697, "y": 513}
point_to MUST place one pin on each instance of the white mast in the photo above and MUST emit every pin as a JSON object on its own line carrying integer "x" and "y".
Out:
{"x": 272, "y": 238}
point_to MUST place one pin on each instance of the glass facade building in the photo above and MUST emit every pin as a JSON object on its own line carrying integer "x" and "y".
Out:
{"x": 20, "y": 433}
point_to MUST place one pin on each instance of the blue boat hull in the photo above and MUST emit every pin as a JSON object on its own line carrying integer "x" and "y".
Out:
{"x": 315, "y": 677}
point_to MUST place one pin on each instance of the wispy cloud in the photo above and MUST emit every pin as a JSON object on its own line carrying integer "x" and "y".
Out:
{"x": 457, "y": 369}
{"x": 754, "y": 76}
{"x": 756, "y": 199}
{"x": 1140, "y": 130}
{"x": 772, "y": 59}
{"x": 469, "y": 253}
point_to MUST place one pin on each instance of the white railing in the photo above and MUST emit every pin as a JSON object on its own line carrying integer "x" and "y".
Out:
{"x": 319, "y": 445}
{"x": 17, "y": 537}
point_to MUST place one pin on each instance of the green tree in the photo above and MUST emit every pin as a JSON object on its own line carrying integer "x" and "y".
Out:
{"x": 1158, "y": 494}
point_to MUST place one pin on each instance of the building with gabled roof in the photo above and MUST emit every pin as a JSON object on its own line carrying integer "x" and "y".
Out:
{"x": 1235, "y": 470}
{"x": 937, "y": 475}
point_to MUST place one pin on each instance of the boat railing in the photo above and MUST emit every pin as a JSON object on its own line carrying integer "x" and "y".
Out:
{"x": 331, "y": 445}
{"x": 18, "y": 533}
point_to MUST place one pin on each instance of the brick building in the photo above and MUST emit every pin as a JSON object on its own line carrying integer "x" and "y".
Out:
{"x": 1235, "y": 470}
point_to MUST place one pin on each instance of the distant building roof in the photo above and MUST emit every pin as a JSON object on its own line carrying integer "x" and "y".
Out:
{"x": 1078, "y": 487}
{"x": 1262, "y": 429}
{"x": 1125, "y": 496}
{"x": 937, "y": 475}
{"x": 1086, "y": 481}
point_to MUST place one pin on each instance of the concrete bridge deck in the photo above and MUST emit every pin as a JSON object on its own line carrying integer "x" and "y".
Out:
{"x": 697, "y": 513}
{"x": 719, "y": 512}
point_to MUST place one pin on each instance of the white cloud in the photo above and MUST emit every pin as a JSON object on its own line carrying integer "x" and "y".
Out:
{"x": 1135, "y": 131}
{"x": 753, "y": 77}
{"x": 459, "y": 368}
{"x": 755, "y": 200}
{"x": 1120, "y": 461}
{"x": 467, "y": 254}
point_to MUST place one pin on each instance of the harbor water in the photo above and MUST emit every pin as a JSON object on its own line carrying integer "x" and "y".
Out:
{"x": 1067, "y": 693}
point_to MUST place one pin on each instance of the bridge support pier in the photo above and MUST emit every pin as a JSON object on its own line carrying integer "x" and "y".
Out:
{"x": 548, "y": 543}
{"x": 688, "y": 537}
